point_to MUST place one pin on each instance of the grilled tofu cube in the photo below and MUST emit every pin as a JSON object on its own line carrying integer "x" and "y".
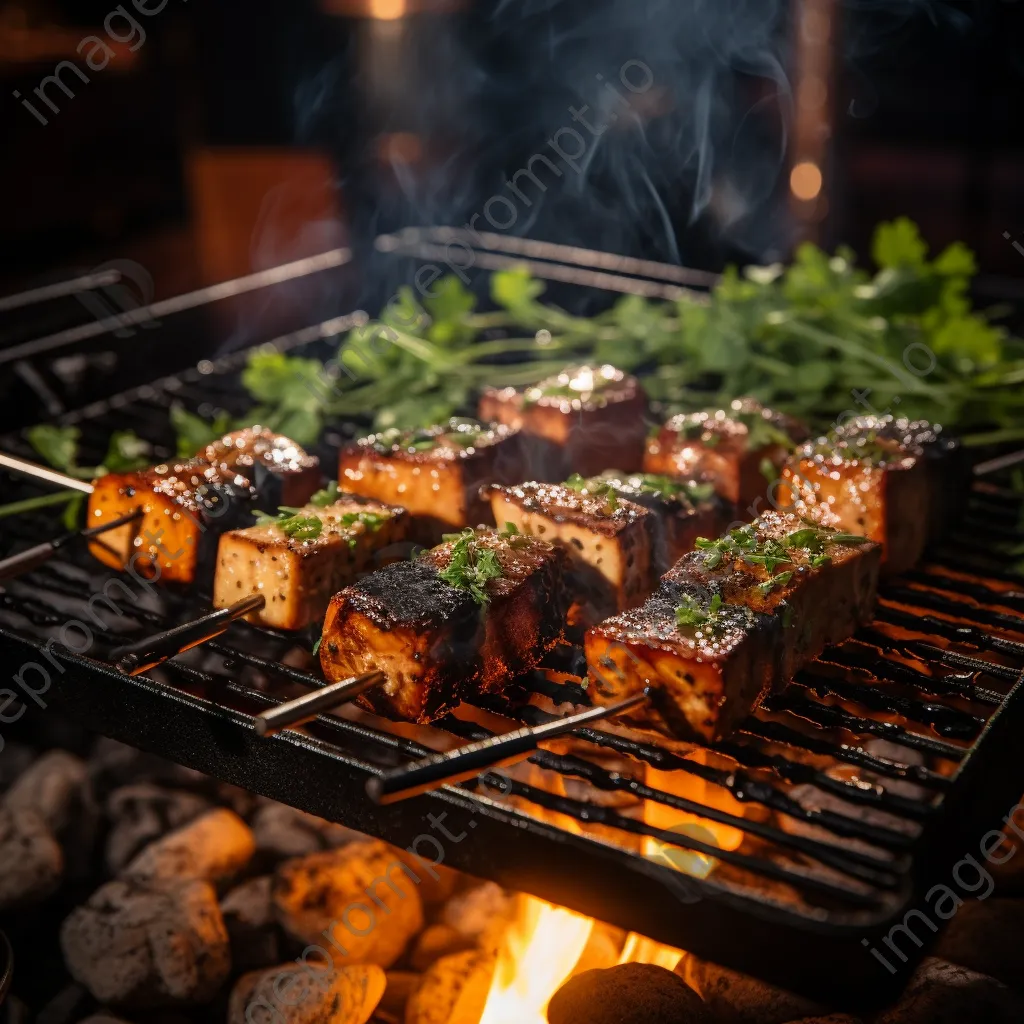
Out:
{"x": 946, "y": 462}
{"x": 583, "y": 420}
{"x": 707, "y": 663}
{"x": 437, "y": 642}
{"x": 298, "y": 573}
{"x": 436, "y": 474}
{"x": 872, "y": 485}
{"x": 681, "y": 510}
{"x": 281, "y": 471}
{"x": 821, "y": 583}
{"x": 608, "y": 541}
{"x": 186, "y": 505}
{"x": 738, "y": 450}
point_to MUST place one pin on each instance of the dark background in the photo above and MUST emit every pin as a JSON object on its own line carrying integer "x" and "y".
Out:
{"x": 242, "y": 134}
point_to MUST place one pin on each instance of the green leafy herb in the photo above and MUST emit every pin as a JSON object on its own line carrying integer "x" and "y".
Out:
{"x": 126, "y": 451}
{"x": 58, "y": 446}
{"x": 326, "y": 496}
{"x": 292, "y": 522}
{"x": 694, "y": 612}
{"x": 776, "y": 581}
{"x": 193, "y": 432}
{"x": 316, "y": 646}
{"x": 471, "y": 565}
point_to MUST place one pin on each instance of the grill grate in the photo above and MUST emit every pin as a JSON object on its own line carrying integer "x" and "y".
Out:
{"x": 850, "y": 792}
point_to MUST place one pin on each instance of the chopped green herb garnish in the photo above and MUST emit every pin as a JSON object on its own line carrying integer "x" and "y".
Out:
{"x": 510, "y": 532}
{"x": 693, "y": 612}
{"x": 769, "y": 470}
{"x": 292, "y": 523}
{"x": 471, "y": 565}
{"x": 372, "y": 521}
{"x": 327, "y": 496}
{"x": 316, "y": 646}
{"x": 576, "y": 483}
{"x": 776, "y": 581}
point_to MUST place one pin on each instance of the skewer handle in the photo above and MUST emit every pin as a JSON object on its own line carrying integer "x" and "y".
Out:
{"x": 134, "y": 659}
{"x": 25, "y": 561}
{"x": 497, "y": 751}
{"x": 44, "y": 473}
{"x": 309, "y": 705}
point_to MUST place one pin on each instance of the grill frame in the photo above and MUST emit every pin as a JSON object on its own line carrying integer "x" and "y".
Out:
{"x": 314, "y": 771}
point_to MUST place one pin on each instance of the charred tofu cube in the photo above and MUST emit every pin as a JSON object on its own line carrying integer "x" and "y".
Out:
{"x": 584, "y": 420}
{"x": 947, "y": 465}
{"x": 436, "y": 474}
{"x": 707, "y": 664}
{"x": 464, "y": 618}
{"x": 738, "y": 450}
{"x": 608, "y": 542}
{"x": 821, "y": 583}
{"x": 281, "y": 471}
{"x": 299, "y": 560}
{"x": 681, "y": 510}
{"x": 185, "y": 505}
{"x": 873, "y": 486}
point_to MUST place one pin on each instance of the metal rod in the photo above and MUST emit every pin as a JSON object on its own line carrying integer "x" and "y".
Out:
{"x": 44, "y": 473}
{"x": 582, "y": 276}
{"x": 998, "y": 463}
{"x": 180, "y": 303}
{"x": 134, "y": 659}
{"x": 557, "y": 253}
{"x": 34, "y": 557}
{"x": 495, "y": 752}
{"x": 309, "y": 705}
{"x": 84, "y": 283}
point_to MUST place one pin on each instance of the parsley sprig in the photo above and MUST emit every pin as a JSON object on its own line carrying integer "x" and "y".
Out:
{"x": 471, "y": 565}
{"x": 327, "y": 496}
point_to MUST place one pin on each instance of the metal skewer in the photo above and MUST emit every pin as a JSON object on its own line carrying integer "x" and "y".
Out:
{"x": 309, "y": 705}
{"x": 134, "y": 659}
{"x": 496, "y": 752}
{"x": 74, "y": 286}
{"x": 36, "y": 556}
{"x": 998, "y": 463}
{"x": 44, "y": 473}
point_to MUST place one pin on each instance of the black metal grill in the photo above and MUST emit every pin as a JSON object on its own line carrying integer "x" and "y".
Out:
{"x": 851, "y": 793}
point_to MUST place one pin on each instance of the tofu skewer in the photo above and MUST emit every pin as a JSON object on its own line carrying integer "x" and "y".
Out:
{"x": 436, "y": 473}
{"x": 582, "y": 420}
{"x": 463, "y": 618}
{"x": 300, "y": 559}
{"x": 738, "y": 450}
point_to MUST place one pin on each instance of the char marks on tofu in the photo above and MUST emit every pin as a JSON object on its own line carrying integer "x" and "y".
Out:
{"x": 608, "y": 541}
{"x": 681, "y": 510}
{"x": 874, "y": 485}
{"x": 583, "y": 420}
{"x": 436, "y": 473}
{"x": 820, "y": 583}
{"x": 282, "y": 472}
{"x": 185, "y": 505}
{"x": 738, "y": 450}
{"x": 426, "y": 628}
{"x": 707, "y": 664}
{"x": 299, "y": 562}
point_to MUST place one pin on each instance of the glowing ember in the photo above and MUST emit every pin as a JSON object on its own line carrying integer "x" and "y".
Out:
{"x": 539, "y": 953}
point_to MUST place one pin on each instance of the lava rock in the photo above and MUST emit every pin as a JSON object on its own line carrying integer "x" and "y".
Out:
{"x": 143, "y": 813}
{"x": 213, "y": 848}
{"x": 453, "y": 991}
{"x": 281, "y": 832}
{"x": 293, "y": 994}
{"x": 475, "y": 911}
{"x": 436, "y": 941}
{"x": 58, "y": 788}
{"x": 832, "y": 1018}
{"x": 627, "y": 994}
{"x": 113, "y": 764}
{"x": 148, "y": 944}
{"x": 248, "y": 913}
{"x": 360, "y": 899}
{"x": 31, "y": 862}
{"x": 103, "y": 1018}
{"x": 741, "y": 999}
{"x": 987, "y": 936}
{"x": 941, "y": 993}
{"x": 14, "y": 761}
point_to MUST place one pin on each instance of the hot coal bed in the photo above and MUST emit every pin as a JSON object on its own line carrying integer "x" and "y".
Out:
{"x": 163, "y": 862}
